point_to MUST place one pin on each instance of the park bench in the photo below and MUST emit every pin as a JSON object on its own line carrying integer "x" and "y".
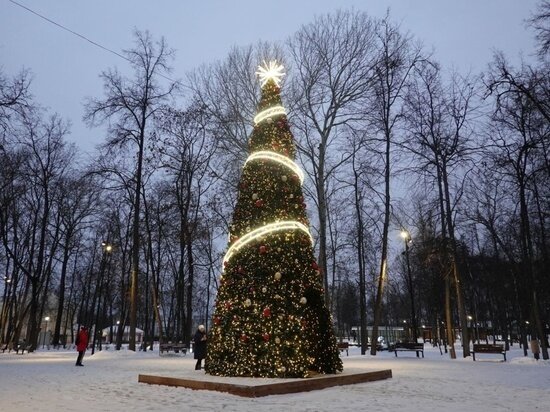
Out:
{"x": 488, "y": 348}
{"x": 409, "y": 347}
{"x": 172, "y": 347}
{"x": 7, "y": 347}
{"x": 22, "y": 347}
{"x": 344, "y": 346}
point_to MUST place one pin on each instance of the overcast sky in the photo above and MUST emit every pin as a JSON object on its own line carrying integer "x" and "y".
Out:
{"x": 463, "y": 33}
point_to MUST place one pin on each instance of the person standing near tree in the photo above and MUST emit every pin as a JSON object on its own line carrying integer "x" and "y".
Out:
{"x": 81, "y": 344}
{"x": 199, "y": 347}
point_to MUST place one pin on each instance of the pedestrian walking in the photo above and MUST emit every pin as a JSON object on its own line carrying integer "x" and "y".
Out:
{"x": 81, "y": 344}
{"x": 199, "y": 347}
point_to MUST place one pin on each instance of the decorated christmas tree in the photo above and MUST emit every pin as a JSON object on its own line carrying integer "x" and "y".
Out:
{"x": 270, "y": 318}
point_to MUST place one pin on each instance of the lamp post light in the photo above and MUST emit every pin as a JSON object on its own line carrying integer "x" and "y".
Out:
{"x": 474, "y": 325}
{"x": 107, "y": 247}
{"x": 407, "y": 239}
{"x": 97, "y": 337}
{"x": 47, "y": 320}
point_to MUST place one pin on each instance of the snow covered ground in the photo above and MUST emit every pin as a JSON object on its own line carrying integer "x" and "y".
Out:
{"x": 49, "y": 381}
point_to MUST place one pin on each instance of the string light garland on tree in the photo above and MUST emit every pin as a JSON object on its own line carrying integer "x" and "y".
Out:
{"x": 270, "y": 318}
{"x": 263, "y": 231}
{"x": 268, "y": 114}
{"x": 263, "y": 154}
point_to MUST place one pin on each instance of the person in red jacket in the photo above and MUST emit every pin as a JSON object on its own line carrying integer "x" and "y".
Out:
{"x": 81, "y": 344}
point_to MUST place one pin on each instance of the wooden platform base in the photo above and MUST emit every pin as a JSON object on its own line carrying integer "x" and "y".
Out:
{"x": 276, "y": 388}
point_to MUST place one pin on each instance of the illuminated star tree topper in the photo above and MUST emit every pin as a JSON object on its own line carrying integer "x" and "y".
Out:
{"x": 270, "y": 70}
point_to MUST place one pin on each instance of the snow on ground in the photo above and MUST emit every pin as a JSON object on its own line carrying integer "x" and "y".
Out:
{"x": 49, "y": 381}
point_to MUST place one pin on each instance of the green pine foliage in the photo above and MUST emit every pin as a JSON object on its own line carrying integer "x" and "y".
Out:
{"x": 270, "y": 317}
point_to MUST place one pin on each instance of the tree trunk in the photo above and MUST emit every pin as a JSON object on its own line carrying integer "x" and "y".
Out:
{"x": 384, "y": 256}
{"x": 135, "y": 244}
{"x": 448, "y": 317}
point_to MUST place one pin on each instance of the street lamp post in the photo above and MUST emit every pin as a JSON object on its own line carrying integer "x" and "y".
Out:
{"x": 407, "y": 238}
{"x": 47, "y": 319}
{"x": 107, "y": 249}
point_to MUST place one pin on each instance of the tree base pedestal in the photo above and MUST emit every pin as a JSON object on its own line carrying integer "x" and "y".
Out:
{"x": 276, "y": 387}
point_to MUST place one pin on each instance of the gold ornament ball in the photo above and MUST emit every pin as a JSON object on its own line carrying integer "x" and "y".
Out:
{"x": 303, "y": 300}
{"x": 278, "y": 275}
{"x": 247, "y": 303}
{"x": 284, "y": 178}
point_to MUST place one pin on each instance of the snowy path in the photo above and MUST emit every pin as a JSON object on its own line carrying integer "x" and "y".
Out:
{"x": 49, "y": 381}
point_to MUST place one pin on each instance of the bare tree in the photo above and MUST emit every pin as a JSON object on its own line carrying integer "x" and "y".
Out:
{"x": 129, "y": 106}
{"x": 74, "y": 205}
{"x": 439, "y": 123}
{"x": 540, "y": 21}
{"x": 504, "y": 81}
{"x": 15, "y": 98}
{"x": 397, "y": 56}
{"x": 188, "y": 149}
{"x": 333, "y": 68}
{"x": 47, "y": 161}
{"x": 517, "y": 141}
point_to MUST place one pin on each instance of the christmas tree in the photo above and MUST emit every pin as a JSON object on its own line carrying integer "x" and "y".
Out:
{"x": 270, "y": 317}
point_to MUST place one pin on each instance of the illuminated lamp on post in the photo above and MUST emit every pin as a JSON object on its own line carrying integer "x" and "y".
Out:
{"x": 105, "y": 259}
{"x": 47, "y": 320}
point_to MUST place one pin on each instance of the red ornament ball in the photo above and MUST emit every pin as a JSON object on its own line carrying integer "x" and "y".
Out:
{"x": 244, "y": 338}
{"x": 259, "y": 203}
{"x": 263, "y": 250}
{"x": 266, "y": 336}
{"x": 267, "y": 312}
{"x": 216, "y": 320}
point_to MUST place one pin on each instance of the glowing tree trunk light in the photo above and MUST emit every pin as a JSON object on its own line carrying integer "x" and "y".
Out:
{"x": 270, "y": 318}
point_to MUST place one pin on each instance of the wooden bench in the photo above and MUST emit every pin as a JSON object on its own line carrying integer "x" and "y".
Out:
{"x": 487, "y": 348}
{"x": 173, "y": 347}
{"x": 22, "y": 347}
{"x": 409, "y": 347}
{"x": 344, "y": 346}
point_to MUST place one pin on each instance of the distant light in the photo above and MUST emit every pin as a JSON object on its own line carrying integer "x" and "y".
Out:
{"x": 47, "y": 318}
{"x": 108, "y": 248}
{"x": 118, "y": 322}
{"x": 469, "y": 317}
{"x": 404, "y": 234}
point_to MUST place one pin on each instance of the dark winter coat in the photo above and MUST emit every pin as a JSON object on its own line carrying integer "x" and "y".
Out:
{"x": 82, "y": 340}
{"x": 199, "y": 347}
